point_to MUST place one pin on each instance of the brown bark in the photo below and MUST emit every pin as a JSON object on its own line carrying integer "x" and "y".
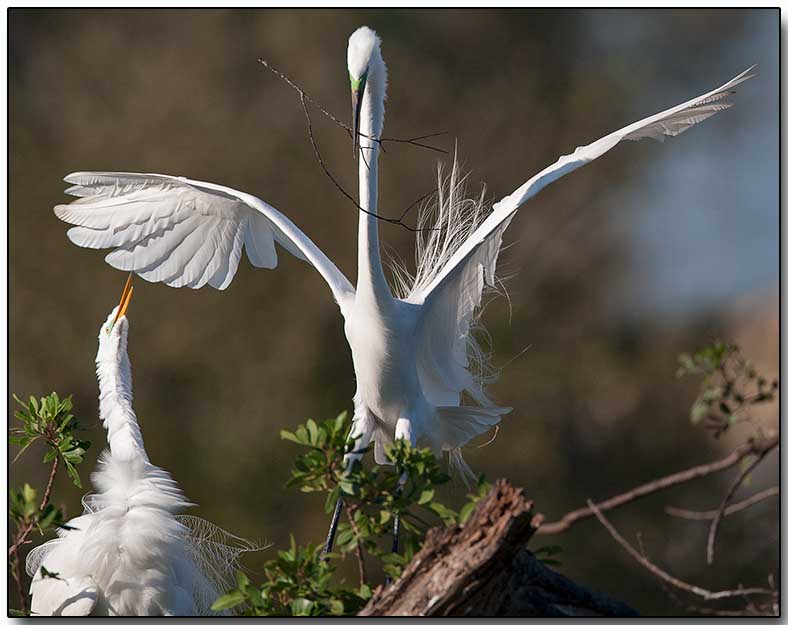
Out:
{"x": 482, "y": 568}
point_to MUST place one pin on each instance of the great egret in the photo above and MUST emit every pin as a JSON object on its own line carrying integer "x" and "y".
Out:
{"x": 129, "y": 555}
{"x": 415, "y": 355}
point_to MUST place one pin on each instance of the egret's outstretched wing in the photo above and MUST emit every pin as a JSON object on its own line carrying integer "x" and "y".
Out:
{"x": 454, "y": 288}
{"x": 480, "y": 249}
{"x": 184, "y": 232}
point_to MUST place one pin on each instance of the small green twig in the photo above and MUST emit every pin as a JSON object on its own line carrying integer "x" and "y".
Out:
{"x": 362, "y": 569}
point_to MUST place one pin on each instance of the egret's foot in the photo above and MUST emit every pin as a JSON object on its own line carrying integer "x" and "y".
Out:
{"x": 332, "y": 529}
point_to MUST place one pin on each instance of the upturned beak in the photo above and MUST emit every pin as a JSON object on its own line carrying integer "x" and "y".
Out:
{"x": 125, "y": 299}
{"x": 357, "y": 97}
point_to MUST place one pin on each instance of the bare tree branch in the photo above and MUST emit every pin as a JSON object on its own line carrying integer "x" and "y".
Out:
{"x": 708, "y": 595}
{"x": 754, "y": 446}
{"x": 715, "y": 524}
{"x": 708, "y": 515}
{"x": 362, "y": 568}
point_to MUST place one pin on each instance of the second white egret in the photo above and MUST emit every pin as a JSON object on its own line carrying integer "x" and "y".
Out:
{"x": 129, "y": 554}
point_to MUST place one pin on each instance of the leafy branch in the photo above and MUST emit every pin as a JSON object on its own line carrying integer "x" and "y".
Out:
{"x": 48, "y": 420}
{"x": 299, "y": 581}
{"x": 730, "y": 385}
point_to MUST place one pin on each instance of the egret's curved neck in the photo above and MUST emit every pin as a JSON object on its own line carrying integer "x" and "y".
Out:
{"x": 113, "y": 370}
{"x": 371, "y": 279}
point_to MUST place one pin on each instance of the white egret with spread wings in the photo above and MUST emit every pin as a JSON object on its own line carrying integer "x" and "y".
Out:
{"x": 415, "y": 356}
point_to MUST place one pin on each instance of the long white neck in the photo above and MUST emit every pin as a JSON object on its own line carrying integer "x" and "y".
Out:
{"x": 371, "y": 279}
{"x": 113, "y": 370}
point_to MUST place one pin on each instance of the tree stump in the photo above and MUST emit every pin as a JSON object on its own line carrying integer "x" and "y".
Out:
{"x": 482, "y": 568}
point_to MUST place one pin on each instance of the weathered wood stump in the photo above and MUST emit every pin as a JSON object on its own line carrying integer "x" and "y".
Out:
{"x": 483, "y": 568}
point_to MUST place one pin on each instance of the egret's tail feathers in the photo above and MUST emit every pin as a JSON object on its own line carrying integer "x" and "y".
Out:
{"x": 457, "y": 425}
{"x": 458, "y": 465}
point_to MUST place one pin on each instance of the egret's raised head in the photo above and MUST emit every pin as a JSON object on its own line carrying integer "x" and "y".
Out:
{"x": 361, "y": 46}
{"x": 114, "y": 331}
{"x": 366, "y": 67}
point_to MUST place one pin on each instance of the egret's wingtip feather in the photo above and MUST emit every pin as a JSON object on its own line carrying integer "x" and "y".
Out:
{"x": 73, "y": 235}
{"x": 73, "y": 177}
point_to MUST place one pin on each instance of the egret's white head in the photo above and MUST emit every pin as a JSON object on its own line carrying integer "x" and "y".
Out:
{"x": 361, "y": 47}
{"x": 113, "y": 334}
{"x": 366, "y": 67}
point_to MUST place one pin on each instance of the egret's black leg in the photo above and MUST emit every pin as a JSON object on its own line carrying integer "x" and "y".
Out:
{"x": 395, "y": 542}
{"x": 360, "y": 432}
{"x": 394, "y": 545}
{"x": 332, "y": 529}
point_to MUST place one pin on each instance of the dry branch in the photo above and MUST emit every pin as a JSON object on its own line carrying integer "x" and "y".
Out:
{"x": 482, "y": 568}
{"x": 715, "y": 524}
{"x": 754, "y": 447}
{"x": 666, "y": 577}
{"x": 708, "y": 515}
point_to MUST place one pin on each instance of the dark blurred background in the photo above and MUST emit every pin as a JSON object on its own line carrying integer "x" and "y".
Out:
{"x": 648, "y": 252}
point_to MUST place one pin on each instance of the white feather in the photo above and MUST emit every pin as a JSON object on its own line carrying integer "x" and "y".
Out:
{"x": 129, "y": 554}
{"x": 184, "y": 232}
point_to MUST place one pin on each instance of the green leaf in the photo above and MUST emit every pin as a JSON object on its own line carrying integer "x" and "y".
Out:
{"x": 230, "y": 600}
{"x": 289, "y": 436}
{"x": 331, "y": 501}
{"x": 301, "y": 607}
{"x": 48, "y": 516}
{"x": 73, "y": 473}
{"x": 365, "y": 592}
{"x": 441, "y": 510}
{"x": 426, "y": 497}
{"x": 698, "y": 412}
{"x": 21, "y": 451}
{"x": 65, "y": 422}
{"x": 465, "y": 511}
{"x": 311, "y": 427}
{"x": 28, "y": 493}
{"x": 336, "y": 607}
{"x": 548, "y": 550}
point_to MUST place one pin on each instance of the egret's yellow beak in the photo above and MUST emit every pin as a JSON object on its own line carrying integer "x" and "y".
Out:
{"x": 125, "y": 299}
